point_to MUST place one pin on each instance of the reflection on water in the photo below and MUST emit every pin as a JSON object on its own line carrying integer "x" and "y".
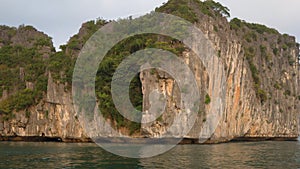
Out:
{"x": 136, "y": 150}
{"x": 230, "y": 155}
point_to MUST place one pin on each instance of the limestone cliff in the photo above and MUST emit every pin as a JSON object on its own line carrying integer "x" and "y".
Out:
{"x": 51, "y": 117}
{"x": 261, "y": 67}
{"x": 262, "y": 82}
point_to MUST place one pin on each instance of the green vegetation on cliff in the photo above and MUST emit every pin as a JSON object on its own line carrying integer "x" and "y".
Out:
{"x": 261, "y": 45}
{"x": 112, "y": 60}
{"x": 23, "y": 64}
{"x": 191, "y": 9}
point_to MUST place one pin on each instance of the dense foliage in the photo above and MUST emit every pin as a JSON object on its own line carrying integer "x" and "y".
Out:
{"x": 19, "y": 66}
{"x": 189, "y": 9}
{"x": 111, "y": 62}
{"x": 238, "y": 24}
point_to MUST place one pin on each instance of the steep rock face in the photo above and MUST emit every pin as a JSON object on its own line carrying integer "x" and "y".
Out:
{"x": 53, "y": 116}
{"x": 262, "y": 89}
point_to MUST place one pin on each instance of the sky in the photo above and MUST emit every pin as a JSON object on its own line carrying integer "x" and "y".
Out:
{"x": 61, "y": 19}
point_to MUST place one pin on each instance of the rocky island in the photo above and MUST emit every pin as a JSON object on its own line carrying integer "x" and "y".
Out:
{"x": 261, "y": 69}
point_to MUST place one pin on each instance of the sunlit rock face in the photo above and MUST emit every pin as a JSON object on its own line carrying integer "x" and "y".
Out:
{"x": 251, "y": 109}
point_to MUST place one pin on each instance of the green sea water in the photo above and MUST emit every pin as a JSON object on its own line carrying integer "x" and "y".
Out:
{"x": 87, "y": 155}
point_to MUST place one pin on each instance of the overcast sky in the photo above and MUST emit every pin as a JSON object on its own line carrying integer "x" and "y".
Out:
{"x": 61, "y": 19}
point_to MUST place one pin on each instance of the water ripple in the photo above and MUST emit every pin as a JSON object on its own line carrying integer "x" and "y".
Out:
{"x": 232, "y": 155}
